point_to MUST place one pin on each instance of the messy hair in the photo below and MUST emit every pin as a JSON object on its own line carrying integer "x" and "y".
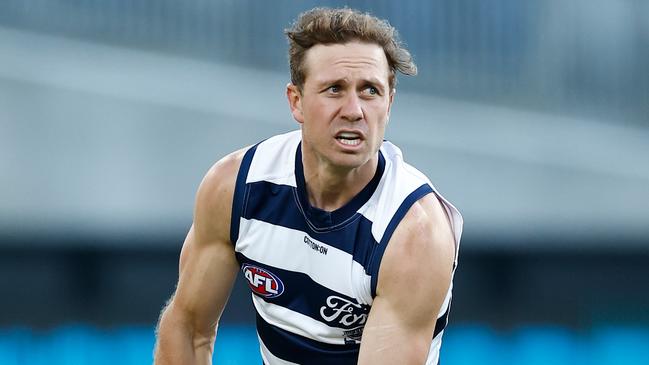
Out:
{"x": 331, "y": 26}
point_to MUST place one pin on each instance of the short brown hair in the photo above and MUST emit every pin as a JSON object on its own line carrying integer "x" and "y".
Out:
{"x": 329, "y": 26}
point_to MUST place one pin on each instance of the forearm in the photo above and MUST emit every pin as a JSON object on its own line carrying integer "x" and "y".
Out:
{"x": 179, "y": 343}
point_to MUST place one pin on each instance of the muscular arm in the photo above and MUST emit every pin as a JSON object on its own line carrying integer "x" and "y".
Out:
{"x": 414, "y": 277}
{"x": 208, "y": 267}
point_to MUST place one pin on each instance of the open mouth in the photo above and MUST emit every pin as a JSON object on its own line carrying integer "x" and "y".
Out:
{"x": 349, "y": 138}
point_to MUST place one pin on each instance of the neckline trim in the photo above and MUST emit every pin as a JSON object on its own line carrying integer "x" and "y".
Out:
{"x": 323, "y": 219}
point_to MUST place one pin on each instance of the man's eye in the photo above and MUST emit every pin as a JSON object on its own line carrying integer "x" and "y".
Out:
{"x": 371, "y": 90}
{"x": 334, "y": 88}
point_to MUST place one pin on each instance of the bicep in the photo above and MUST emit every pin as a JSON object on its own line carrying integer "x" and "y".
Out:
{"x": 414, "y": 278}
{"x": 208, "y": 266}
{"x": 207, "y": 273}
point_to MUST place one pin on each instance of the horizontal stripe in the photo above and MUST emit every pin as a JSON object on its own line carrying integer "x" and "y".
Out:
{"x": 294, "y": 348}
{"x": 303, "y": 295}
{"x": 293, "y": 250}
{"x": 377, "y": 256}
{"x": 268, "y": 358}
{"x": 277, "y": 205}
{"x": 297, "y": 323}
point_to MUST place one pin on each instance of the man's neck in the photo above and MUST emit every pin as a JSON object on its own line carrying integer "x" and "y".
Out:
{"x": 329, "y": 187}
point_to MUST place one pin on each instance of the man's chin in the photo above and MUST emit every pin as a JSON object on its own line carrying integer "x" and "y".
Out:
{"x": 349, "y": 161}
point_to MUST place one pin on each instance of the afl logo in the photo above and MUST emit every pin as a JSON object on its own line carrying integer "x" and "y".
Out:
{"x": 263, "y": 282}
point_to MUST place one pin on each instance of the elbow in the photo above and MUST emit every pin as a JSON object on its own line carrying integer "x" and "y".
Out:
{"x": 187, "y": 320}
{"x": 179, "y": 339}
{"x": 418, "y": 352}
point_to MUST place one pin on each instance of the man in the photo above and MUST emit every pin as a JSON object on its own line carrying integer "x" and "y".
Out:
{"x": 349, "y": 252}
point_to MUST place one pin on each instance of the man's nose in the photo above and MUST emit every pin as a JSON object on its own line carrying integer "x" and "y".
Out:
{"x": 351, "y": 109}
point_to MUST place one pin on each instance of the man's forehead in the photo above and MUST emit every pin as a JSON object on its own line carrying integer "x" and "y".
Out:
{"x": 360, "y": 51}
{"x": 327, "y": 60}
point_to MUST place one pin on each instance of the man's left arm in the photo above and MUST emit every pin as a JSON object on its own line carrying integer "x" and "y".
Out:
{"x": 414, "y": 277}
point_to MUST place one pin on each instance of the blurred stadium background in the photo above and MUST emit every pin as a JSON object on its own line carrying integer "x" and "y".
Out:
{"x": 531, "y": 116}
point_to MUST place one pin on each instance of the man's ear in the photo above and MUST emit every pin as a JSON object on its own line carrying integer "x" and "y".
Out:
{"x": 294, "y": 96}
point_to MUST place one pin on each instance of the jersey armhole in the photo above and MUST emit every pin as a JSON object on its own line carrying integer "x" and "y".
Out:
{"x": 377, "y": 254}
{"x": 238, "y": 199}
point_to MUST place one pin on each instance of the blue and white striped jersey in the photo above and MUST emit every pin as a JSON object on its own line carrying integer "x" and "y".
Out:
{"x": 313, "y": 273}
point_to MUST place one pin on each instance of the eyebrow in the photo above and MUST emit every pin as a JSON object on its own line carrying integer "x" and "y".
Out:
{"x": 372, "y": 81}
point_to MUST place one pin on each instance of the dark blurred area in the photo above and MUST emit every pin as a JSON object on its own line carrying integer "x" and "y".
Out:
{"x": 108, "y": 287}
{"x": 532, "y": 117}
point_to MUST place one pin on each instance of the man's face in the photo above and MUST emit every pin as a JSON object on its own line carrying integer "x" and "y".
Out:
{"x": 344, "y": 104}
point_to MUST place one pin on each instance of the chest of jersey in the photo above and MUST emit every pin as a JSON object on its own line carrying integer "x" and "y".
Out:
{"x": 294, "y": 270}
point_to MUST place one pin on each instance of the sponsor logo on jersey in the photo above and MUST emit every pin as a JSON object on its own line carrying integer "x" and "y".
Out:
{"x": 315, "y": 246}
{"x": 262, "y": 282}
{"x": 353, "y": 335}
{"x": 344, "y": 312}
{"x": 348, "y": 314}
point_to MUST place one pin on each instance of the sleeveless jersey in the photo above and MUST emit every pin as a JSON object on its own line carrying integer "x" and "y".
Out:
{"x": 313, "y": 273}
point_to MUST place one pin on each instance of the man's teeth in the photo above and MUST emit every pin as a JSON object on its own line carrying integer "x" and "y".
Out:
{"x": 349, "y": 142}
{"x": 349, "y": 138}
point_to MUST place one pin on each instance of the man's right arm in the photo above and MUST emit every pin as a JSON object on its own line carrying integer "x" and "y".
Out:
{"x": 208, "y": 268}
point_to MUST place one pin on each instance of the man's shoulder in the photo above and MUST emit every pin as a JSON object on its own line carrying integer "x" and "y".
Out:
{"x": 225, "y": 170}
{"x": 222, "y": 174}
{"x": 213, "y": 205}
{"x": 427, "y": 223}
{"x": 423, "y": 241}
{"x": 215, "y": 195}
